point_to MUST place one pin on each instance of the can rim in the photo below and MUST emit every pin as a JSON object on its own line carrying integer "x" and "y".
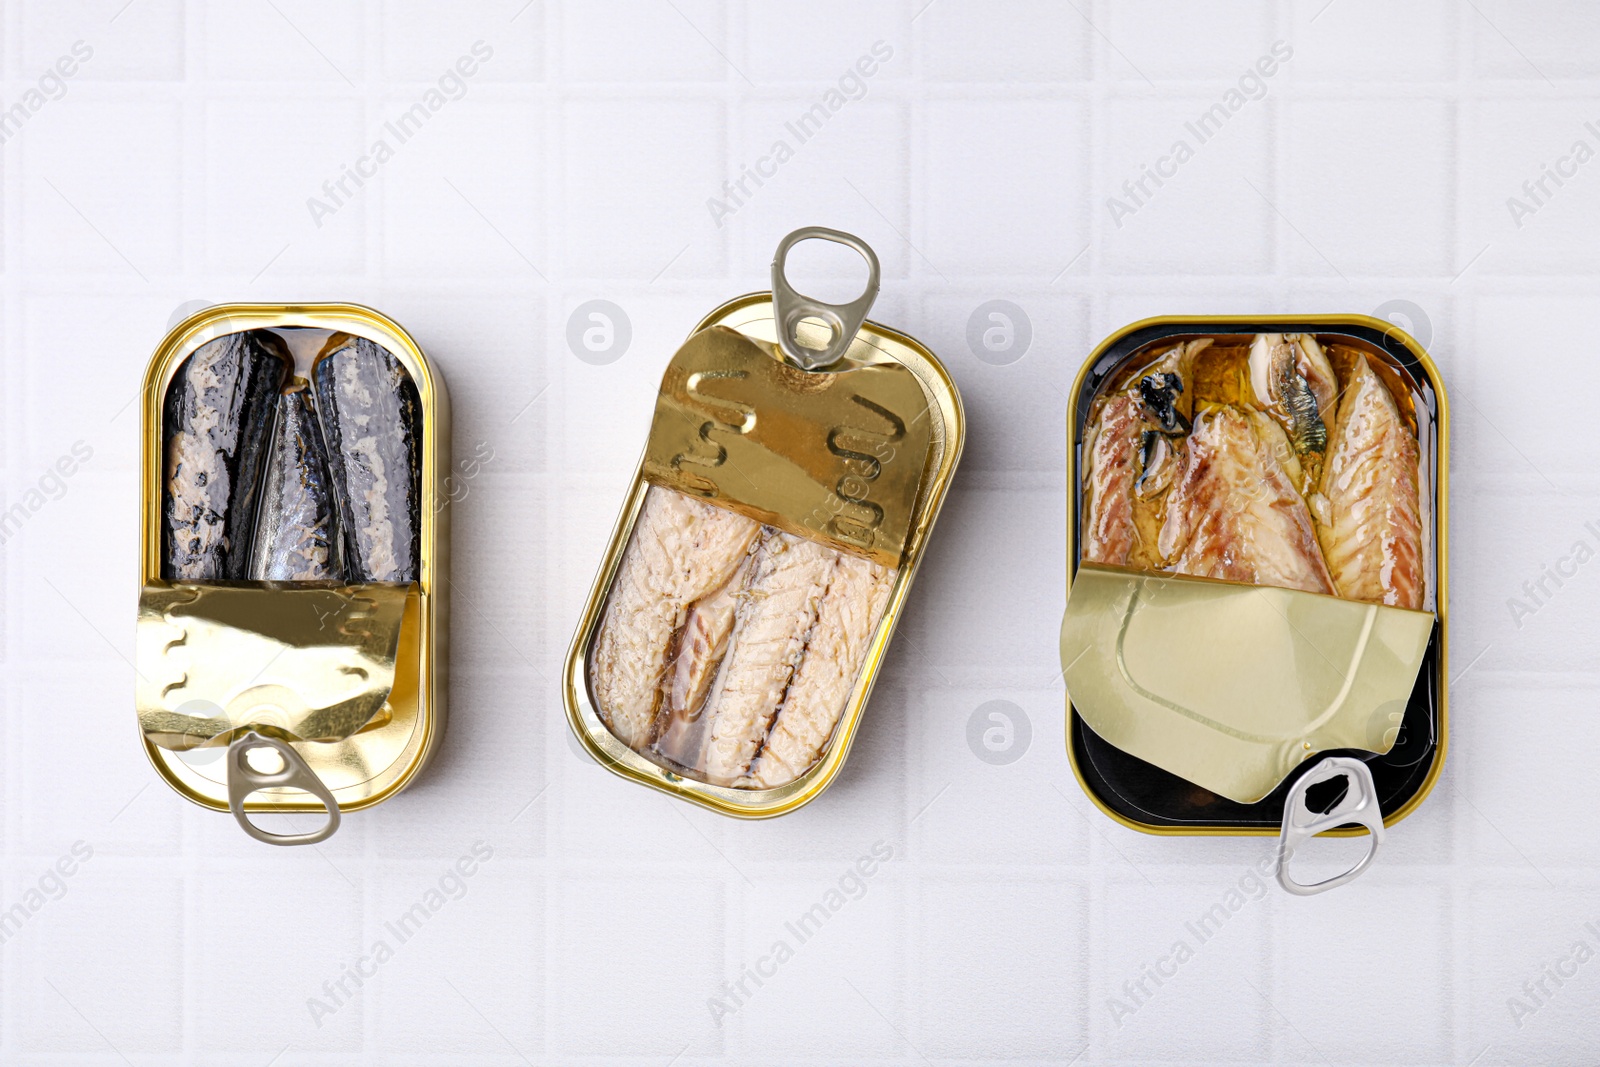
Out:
{"x": 942, "y": 395}
{"x": 1210, "y": 323}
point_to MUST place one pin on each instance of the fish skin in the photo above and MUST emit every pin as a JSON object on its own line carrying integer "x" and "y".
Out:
{"x": 848, "y": 617}
{"x": 297, "y": 531}
{"x": 1233, "y": 512}
{"x": 217, "y": 419}
{"x": 1109, "y": 477}
{"x": 371, "y": 423}
{"x": 1294, "y": 383}
{"x": 1166, "y": 388}
{"x": 771, "y": 628}
{"x": 1370, "y": 527}
{"x": 682, "y": 549}
{"x": 1311, "y": 363}
{"x": 701, "y": 644}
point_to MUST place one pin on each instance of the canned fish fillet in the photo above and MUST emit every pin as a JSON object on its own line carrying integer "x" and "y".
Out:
{"x": 797, "y": 460}
{"x": 1262, "y": 465}
{"x": 217, "y": 423}
{"x": 1258, "y": 601}
{"x": 287, "y": 588}
{"x": 715, "y": 624}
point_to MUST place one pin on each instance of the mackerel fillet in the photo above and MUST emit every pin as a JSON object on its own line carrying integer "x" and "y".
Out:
{"x": 1369, "y": 511}
{"x": 218, "y": 419}
{"x": 372, "y": 425}
{"x": 297, "y": 530}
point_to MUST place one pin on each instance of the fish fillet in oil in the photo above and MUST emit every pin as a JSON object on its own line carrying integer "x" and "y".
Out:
{"x": 857, "y": 592}
{"x": 1234, "y": 514}
{"x": 702, "y": 642}
{"x": 1113, "y": 467}
{"x": 1368, "y": 506}
{"x": 682, "y": 550}
{"x": 1133, "y": 453}
{"x": 772, "y": 625}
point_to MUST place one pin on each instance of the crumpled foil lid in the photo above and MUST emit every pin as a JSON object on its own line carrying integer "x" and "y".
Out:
{"x": 288, "y": 660}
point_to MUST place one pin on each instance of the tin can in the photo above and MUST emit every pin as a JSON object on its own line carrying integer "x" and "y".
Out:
{"x": 825, "y": 441}
{"x": 259, "y": 691}
{"x": 1145, "y": 797}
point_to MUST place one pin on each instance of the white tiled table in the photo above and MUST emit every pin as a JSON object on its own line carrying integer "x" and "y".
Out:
{"x": 577, "y": 165}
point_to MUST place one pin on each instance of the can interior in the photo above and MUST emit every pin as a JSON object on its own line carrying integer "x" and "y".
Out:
{"x": 1148, "y": 796}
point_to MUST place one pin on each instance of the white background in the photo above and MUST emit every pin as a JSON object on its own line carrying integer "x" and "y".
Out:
{"x": 1377, "y": 167}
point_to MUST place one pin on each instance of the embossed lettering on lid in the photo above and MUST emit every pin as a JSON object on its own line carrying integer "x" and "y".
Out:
{"x": 834, "y": 455}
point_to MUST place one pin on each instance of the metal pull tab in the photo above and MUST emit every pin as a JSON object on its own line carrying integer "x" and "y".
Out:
{"x": 1300, "y": 823}
{"x": 789, "y": 307}
{"x": 244, "y": 780}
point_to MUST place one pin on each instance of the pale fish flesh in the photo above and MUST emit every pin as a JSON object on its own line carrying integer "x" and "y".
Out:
{"x": 297, "y": 530}
{"x": 848, "y": 617}
{"x": 372, "y": 425}
{"x": 217, "y": 421}
{"x": 1133, "y": 451}
{"x": 1234, "y": 514}
{"x": 771, "y": 628}
{"x": 1368, "y": 506}
{"x": 702, "y": 642}
{"x": 1294, "y": 383}
{"x": 682, "y": 549}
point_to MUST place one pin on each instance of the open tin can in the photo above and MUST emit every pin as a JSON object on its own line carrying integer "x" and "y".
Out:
{"x": 293, "y": 545}
{"x": 1198, "y": 706}
{"x": 797, "y": 460}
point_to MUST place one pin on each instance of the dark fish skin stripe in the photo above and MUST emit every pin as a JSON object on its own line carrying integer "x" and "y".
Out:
{"x": 372, "y": 423}
{"x": 297, "y": 529}
{"x": 1307, "y": 430}
{"x": 217, "y": 421}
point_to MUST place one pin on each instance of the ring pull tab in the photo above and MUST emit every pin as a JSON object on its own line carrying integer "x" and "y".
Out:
{"x": 790, "y": 307}
{"x": 1300, "y": 823}
{"x": 244, "y": 780}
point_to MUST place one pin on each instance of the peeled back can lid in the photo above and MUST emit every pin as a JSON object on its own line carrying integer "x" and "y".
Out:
{"x": 1233, "y": 686}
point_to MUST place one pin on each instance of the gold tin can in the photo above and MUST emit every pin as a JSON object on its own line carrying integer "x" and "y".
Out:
{"x": 1143, "y": 797}
{"x": 366, "y": 761}
{"x": 748, "y": 328}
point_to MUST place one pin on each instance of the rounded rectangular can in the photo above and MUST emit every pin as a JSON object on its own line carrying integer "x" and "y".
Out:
{"x": 381, "y": 759}
{"x": 752, "y": 315}
{"x": 1143, "y": 797}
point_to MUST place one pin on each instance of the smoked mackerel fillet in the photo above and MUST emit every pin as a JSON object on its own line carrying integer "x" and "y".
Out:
{"x": 372, "y": 425}
{"x": 297, "y": 529}
{"x": 218, "y": 421}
